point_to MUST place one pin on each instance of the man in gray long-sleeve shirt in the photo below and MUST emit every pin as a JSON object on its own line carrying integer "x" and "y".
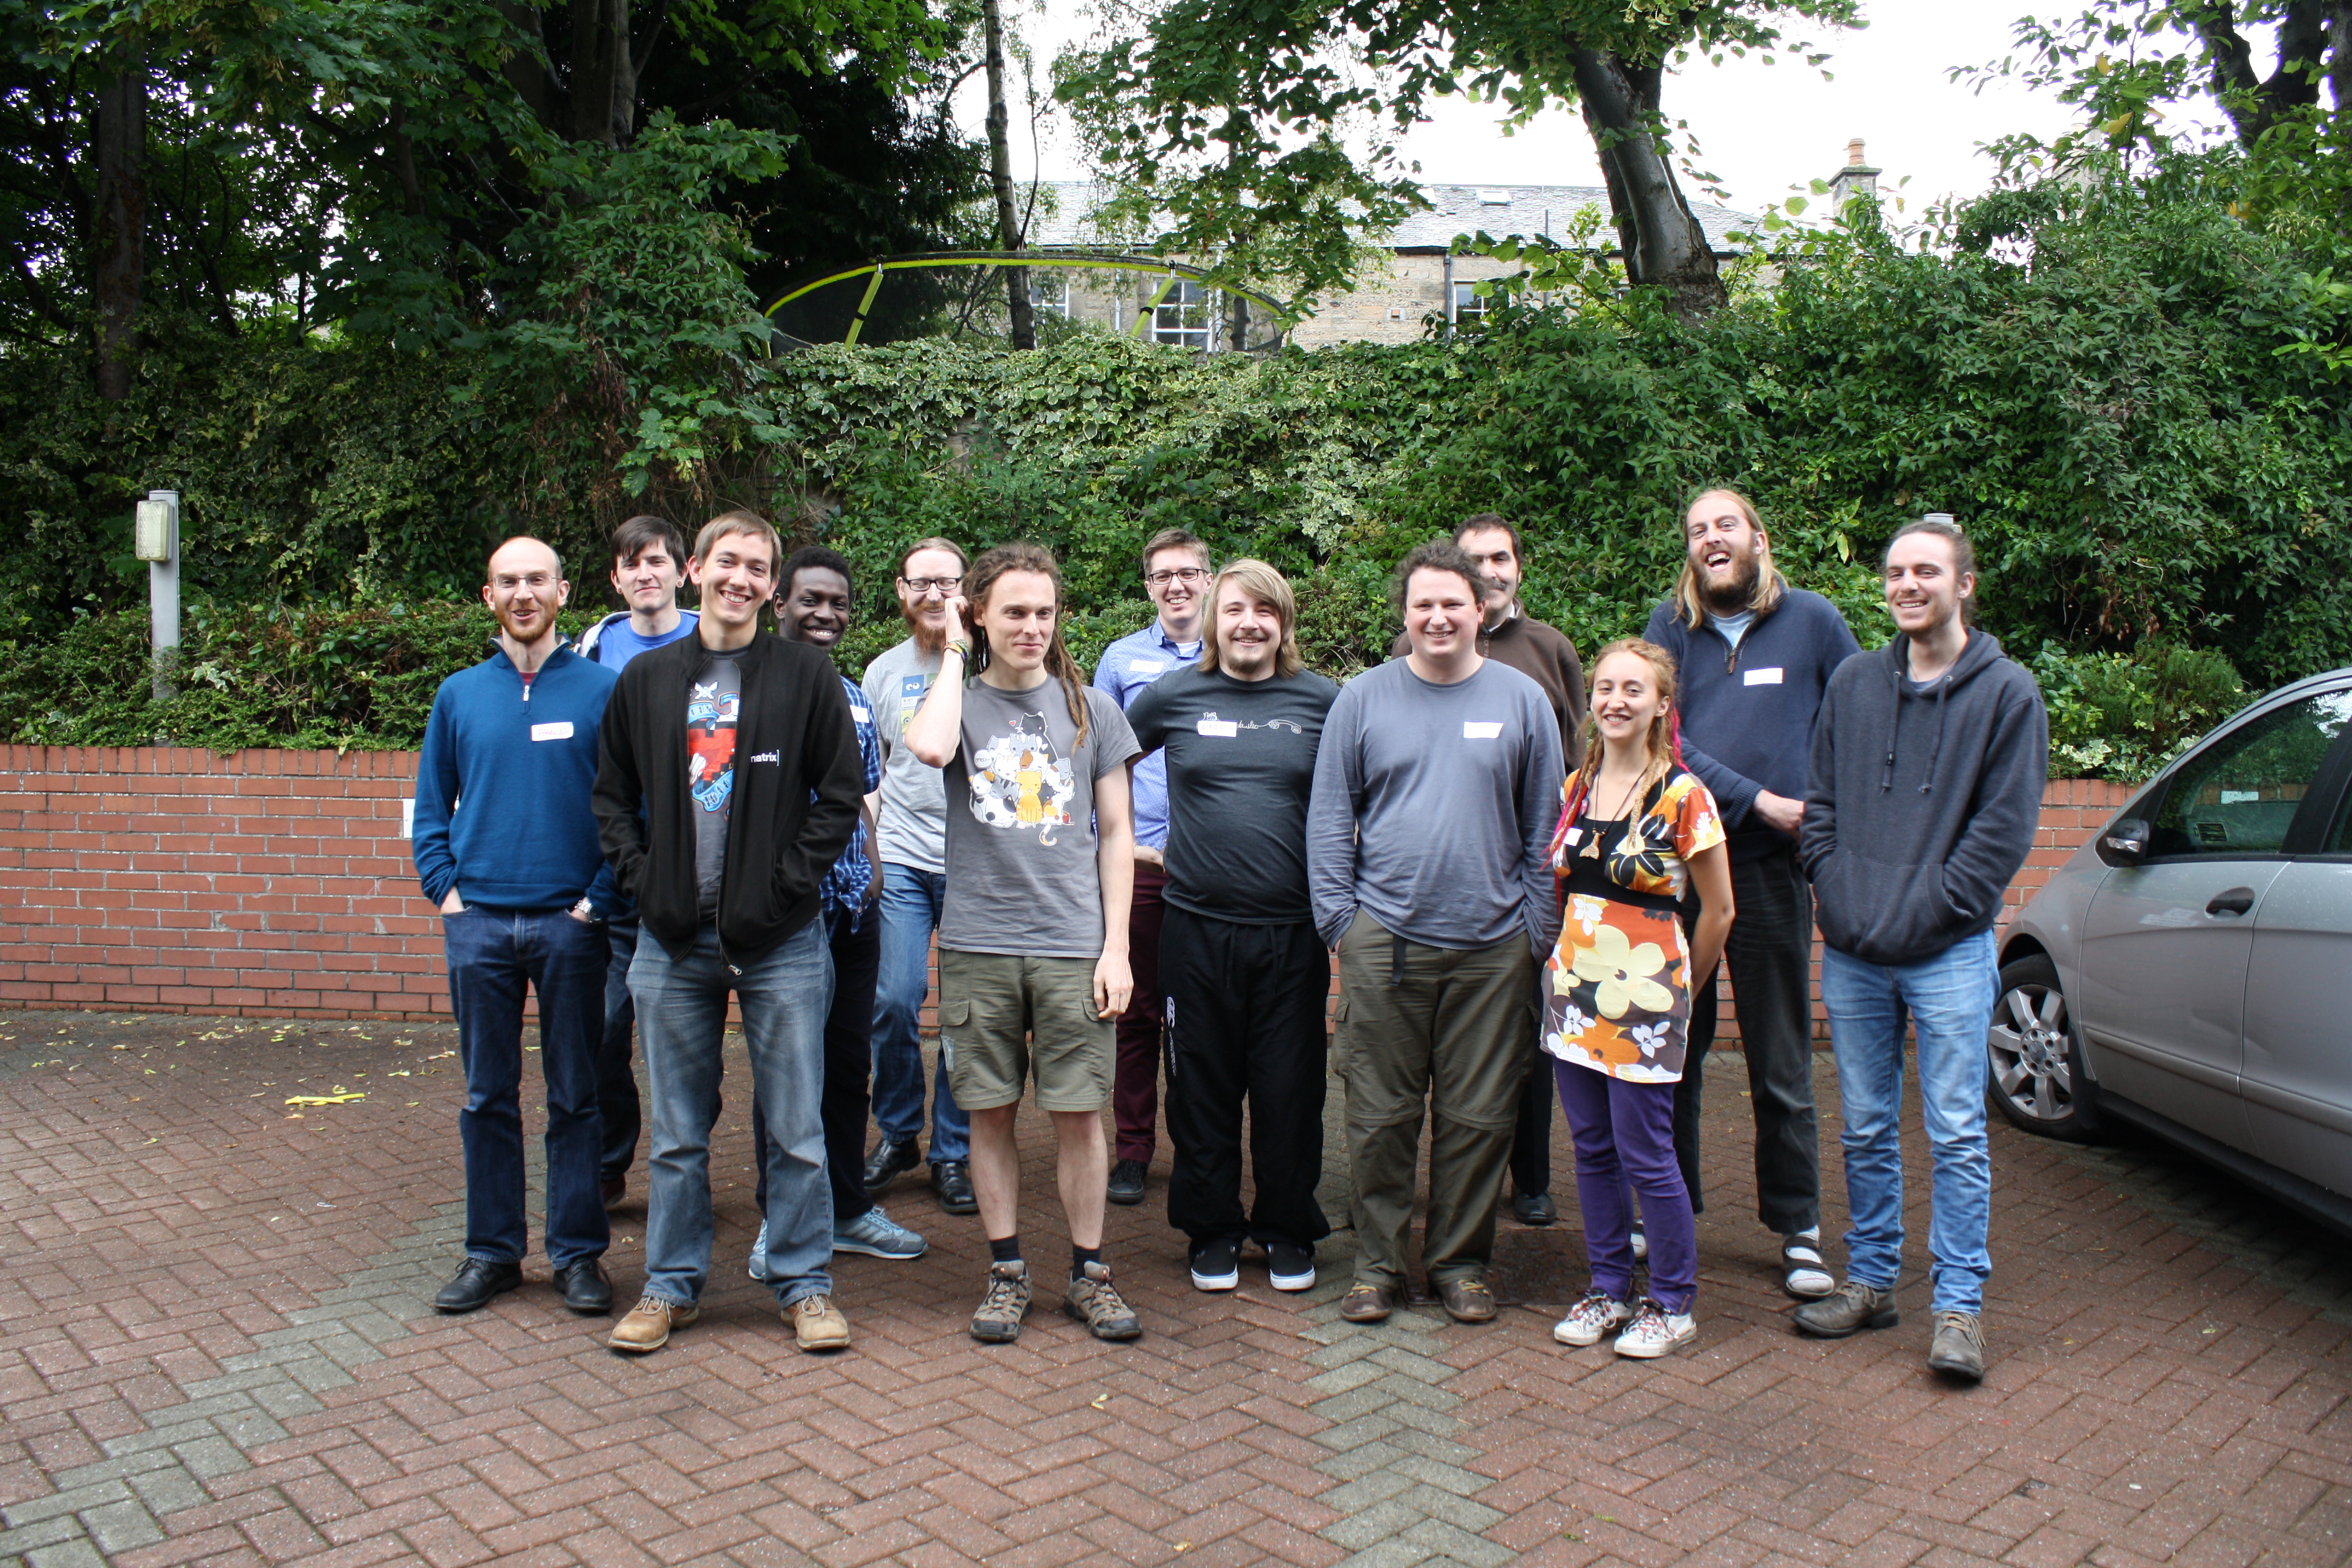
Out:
{"x": 1437, "y": 790}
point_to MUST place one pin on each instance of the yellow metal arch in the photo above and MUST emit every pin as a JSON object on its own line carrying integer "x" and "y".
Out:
{"x": 1083, "y": 260}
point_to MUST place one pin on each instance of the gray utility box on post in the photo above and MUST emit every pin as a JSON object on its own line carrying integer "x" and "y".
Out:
{"x": 155, "y": 539}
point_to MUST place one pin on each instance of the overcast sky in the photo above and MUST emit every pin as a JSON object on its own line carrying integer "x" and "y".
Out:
{"x": 1762, "y": 128}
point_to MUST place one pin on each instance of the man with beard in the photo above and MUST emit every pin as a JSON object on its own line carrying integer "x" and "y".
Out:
{"x": 1509, "y": 636}
{"x": 523, "y": 894}
{"x": 1755, "y": 656}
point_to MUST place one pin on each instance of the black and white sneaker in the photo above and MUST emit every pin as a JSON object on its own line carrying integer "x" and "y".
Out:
{"x": 1216, "y": 1265}
{"x": 1289, "y": 1266}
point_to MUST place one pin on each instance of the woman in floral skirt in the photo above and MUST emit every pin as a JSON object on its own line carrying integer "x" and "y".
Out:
{"x": 1637, "y": 830}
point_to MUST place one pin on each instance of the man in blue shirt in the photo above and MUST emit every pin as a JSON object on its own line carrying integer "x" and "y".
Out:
{"x": 648, "y": 565}
{"x": 521, "y": 885}
{"x": 1176, "y": 575}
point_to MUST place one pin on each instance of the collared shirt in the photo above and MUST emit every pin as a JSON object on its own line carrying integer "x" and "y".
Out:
{"x": 844, "y": 886}
{"x": 1128, "y": 666}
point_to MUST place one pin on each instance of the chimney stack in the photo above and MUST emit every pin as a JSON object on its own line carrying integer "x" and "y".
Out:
{"x": 1858, "y": 178}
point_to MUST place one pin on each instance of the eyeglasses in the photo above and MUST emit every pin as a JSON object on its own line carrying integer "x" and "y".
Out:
{"x": 1181, "y": 574}
{"x": 920, "y": 585}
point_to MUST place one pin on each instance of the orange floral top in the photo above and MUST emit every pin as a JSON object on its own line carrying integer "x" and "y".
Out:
{"x": 1616, "y": 989}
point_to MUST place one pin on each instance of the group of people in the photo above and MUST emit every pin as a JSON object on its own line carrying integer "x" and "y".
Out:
{"x": 1529, "y": 871}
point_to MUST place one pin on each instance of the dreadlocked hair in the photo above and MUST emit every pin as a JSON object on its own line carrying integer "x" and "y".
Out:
{"x": 1021, "y": 556}
{"x": 1664, "y": 740}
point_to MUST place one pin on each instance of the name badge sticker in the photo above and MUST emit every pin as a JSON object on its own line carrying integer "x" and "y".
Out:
{"x": 1228, "y": 728}
{"x": 863, "y": 715}
{"x": 1472, "y": 729}
{"x": 1146, "y": 665}
{"x": 1761, "y": 676}
{"x": 558, "y": 730}
{"x": 1575, "y": 836}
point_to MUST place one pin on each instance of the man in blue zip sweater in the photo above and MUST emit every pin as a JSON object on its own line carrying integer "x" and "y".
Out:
{"x": 1755, "y": 656}
{"x": 506, "y": 844}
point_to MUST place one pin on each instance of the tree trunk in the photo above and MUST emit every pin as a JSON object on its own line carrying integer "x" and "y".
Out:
{"x": 120, "y": 239}
{"x": 525, "y": 69}
{"x": 600, "y": 56}
{"x": 1661, "y": 240}
{"x": 999, "y": 169}
{"x": 2253, "y": 104}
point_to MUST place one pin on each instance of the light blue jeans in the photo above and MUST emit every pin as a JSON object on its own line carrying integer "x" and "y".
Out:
{"x": 681, "y": 1025}
{"x": 1948, "y": 999}
{"x": 911, "y": 902}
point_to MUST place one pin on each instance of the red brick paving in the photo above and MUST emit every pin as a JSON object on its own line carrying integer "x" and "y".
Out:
{"x": 219, "y": 1352}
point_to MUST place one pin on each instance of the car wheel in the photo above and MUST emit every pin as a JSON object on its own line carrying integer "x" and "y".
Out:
{"x": 2034, "y": 1058}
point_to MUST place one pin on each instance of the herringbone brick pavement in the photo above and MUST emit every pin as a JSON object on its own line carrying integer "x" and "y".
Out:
{"x": 217, "y": 1349}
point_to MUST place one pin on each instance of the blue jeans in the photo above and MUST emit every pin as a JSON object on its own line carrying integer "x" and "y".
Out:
{"x": 493, "y": 954}
{"x": 681, "y": 1023}
{"x": 911, "y": 912}
{"x": 1948, "y": 999}
{"x": 616, "y": 1079}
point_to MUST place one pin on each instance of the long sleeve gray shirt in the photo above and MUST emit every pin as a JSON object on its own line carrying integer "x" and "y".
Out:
{"x": 1434, "y": 806}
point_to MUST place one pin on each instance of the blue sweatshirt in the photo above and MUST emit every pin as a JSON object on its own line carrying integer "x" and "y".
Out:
{"x": 521, "y": 760}
{"x": 1748, "y": 712}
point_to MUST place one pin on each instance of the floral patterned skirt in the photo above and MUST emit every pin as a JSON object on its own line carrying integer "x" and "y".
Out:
{"x": 1616, "y": 990}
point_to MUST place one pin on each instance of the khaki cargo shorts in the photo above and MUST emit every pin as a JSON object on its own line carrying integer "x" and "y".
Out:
{"x": 1003, "y": 1017}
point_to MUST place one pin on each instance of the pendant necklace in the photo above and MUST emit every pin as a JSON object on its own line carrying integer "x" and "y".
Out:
{"x": 1592, "y": 849}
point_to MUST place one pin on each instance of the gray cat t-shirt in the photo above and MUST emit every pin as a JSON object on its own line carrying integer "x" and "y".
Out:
{"x": 1021, "y": 877}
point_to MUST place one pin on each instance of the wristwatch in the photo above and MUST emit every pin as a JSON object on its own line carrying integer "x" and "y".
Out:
{"x": 585, "y": 910}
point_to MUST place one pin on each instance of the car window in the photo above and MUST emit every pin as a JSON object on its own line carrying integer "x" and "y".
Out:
{"x": 2240, "y": 796}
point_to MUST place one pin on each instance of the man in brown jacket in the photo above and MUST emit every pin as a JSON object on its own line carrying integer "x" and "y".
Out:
{"x": 1545, "y": 656}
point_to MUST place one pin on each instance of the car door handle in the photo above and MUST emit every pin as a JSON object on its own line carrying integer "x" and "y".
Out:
{"x": 2231, "y": 901}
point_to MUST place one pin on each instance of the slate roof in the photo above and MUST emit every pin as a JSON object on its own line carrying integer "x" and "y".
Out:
{"x": 1454, "y": 209}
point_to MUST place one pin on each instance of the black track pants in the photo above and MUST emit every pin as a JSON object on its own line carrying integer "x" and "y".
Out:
{"x": 1245, "y": 1014}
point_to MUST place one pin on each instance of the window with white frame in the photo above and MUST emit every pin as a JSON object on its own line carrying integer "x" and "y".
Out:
{"x": 1181, "y": 317}
{"x": 1049, "y": 291}
{"x": 1469, "y": 305}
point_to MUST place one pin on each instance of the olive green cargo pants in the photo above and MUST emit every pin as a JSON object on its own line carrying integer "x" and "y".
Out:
{"x": 1456, "y": 1029}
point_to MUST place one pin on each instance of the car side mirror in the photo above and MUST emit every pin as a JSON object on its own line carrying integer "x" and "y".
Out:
{"x": 2124, "y": 843}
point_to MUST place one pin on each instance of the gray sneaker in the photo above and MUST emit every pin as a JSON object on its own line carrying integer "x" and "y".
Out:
{"x": 997, "y": 1322}
{"x": 1959, "y": 1348}
{"x": 1849, "y": 1310}
{"x": 1095, "y": 1301}
{"x": 875, "y": 1235}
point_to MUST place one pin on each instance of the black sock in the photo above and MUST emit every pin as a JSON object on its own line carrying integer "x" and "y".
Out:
{"x": 1082, "y": 1255}
{"x": 1008, "y": 1251}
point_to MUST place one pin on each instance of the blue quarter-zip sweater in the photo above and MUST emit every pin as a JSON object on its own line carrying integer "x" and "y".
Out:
{"x": 502, "y": 788}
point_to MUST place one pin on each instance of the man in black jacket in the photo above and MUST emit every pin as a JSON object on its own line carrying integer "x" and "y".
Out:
{"x": 739, "y": 748}
{"x": 1925, "y": 789}
{"x": 1755, "y": 656}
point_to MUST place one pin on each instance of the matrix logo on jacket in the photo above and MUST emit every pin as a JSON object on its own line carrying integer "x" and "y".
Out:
{"x": 1018, "y": 782}
{"x": 710, "y": 744}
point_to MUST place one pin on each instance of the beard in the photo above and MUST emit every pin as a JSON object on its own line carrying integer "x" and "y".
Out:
{"x": 1730, "y": 596}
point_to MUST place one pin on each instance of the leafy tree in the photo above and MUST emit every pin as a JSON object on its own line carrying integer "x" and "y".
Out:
{"x": 1230, "y": 113}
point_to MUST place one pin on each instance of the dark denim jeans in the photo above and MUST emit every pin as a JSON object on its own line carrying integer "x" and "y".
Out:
{"x": 911, "y": 901}
{"x": 682, "y": 1019}
{"x": 493, "y": 954}
{"x": 617, "y": 1076}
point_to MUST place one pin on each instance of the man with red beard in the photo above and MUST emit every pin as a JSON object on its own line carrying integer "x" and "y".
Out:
{"x": 1755, "y": 656}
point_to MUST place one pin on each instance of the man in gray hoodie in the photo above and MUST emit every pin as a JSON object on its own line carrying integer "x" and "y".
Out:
{"x": 1925, "y": 785}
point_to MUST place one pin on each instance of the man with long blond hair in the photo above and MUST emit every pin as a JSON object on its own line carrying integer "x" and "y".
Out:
{"x": 1755, "y": 657}
{"x": 1242, "y": 969}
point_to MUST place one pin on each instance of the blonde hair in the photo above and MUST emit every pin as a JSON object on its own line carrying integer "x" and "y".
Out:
{"x": 1770, "y": 586}
{"x": 751, "y": 525}
{"x": 1664, "y": 740}
{"x": 1259, "y": 581}
{"x": 1026, "y": 557}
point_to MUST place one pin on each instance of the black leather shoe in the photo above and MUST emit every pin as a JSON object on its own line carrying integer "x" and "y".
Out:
{"x": 951, "y": 1179}
{"x": 1126, "y": 1185}
{"x": 1534, "y": 1208}
{"x": 477, "y": 1280}
{"x": 584, "y": 1288}
{"x": 890, "y": 1159}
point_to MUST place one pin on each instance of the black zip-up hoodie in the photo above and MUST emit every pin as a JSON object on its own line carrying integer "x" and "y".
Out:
{"x": 1920, "y": 806}
{"x": 798, "y": 781}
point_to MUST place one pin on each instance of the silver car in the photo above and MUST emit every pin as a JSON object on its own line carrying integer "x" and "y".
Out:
{"x": 2189, "y": 970}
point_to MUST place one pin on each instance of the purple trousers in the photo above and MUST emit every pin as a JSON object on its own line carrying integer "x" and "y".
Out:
{"x": 1625, "y": 1134}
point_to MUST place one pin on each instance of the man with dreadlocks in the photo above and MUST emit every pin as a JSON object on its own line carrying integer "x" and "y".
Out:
{"x": 1032, "y": 938}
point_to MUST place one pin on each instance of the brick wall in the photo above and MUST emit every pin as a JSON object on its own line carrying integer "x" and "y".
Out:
{"x": 278, "y": 884}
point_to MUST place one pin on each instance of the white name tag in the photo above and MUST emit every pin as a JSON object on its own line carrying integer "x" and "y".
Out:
{"x": 1761, "y": 676}
{"x": 1474, "y": 730}
{"x": 863, "y": 715}
{"x": 1575, "y": 836}
{"x": 558, "y": 730}
{"x": 1146, "y": 665}
{"x": 1228, "y": 728}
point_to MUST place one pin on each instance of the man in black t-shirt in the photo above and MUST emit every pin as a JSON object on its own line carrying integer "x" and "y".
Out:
{"x": 1243, "y": 970}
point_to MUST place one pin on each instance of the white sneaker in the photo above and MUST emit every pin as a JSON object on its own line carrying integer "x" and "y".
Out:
{"x": 758, "y": 1269}
{"x": 1587, "y": 1322}
{"x": 1654, "y": 1331}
